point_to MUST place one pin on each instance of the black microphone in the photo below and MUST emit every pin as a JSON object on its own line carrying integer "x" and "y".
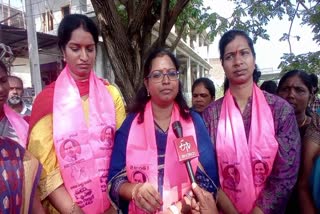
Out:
{"x": 183, "y": 151}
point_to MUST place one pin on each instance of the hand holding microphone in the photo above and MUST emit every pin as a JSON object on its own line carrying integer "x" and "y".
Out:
{"x": 186, "y": 148}
{"x": 205, "y": 203}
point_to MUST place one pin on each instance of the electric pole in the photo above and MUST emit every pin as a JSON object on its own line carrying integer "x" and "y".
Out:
{"x": 1, "y": 14}
{"x": 33, "y": 49}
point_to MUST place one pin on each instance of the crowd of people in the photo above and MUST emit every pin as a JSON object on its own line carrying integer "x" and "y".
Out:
{"x": 78, "y": 150}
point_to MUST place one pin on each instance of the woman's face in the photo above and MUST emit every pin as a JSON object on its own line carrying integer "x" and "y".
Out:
{"x": 162, "y": 92}
{"x": 296, "y": 93}
{"x": 4, "y": 87}
{"x": 238, "y": 61}
{"x": 80, "y": 53}
{"x": 201, "y": 98}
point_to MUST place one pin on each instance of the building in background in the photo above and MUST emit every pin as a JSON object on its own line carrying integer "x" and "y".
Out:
{"x": 192, "y": 51}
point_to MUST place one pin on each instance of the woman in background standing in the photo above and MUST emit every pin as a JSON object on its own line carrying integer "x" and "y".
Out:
{"x": 203, "y": 93}
{"x": 296, "y": 87}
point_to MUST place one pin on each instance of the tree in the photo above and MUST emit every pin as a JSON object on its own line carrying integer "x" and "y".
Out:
{"x": 126, "y": 27}
{"x": 309, "y": 62}
{"x": 308, "y": 12}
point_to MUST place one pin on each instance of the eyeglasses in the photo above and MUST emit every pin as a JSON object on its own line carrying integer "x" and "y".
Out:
{"x": 157, "y": 76}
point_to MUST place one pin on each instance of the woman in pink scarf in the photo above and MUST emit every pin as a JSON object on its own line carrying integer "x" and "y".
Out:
{"x": 145, "y": 173}
{"x": 255, "y": 134}
{"x": 68, "y": 123}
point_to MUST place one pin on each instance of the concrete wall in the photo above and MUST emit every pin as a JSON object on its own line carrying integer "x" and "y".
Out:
{"x": 21, "y": 69}
{"x": 39, "y": 7}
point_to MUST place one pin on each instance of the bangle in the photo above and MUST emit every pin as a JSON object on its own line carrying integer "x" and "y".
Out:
{"x": 174, "y": 209}
{"x": 134, "y": 189}
{"x": 72, "y": 207}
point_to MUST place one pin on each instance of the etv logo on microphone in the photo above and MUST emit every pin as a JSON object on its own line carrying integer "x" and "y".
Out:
{"x": 186, "y": 148}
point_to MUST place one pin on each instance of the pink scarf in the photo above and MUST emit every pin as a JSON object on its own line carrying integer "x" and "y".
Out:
{"x": 142, "y": 158}
{"x": 245, "y": 164}
{"x": 83, "y": 157}
{"x": 19, "y": 125}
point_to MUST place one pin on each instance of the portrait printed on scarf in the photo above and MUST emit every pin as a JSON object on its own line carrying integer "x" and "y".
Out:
{"x": 139, "y": 177}
{"x": 231, "y": 177}
{"x": 103, "y": 182}
{"x": 107, "y": 136}
{"x": 78, "y": 172}
{"x": 70, "y": 150}
{"x": 260, "y": 171}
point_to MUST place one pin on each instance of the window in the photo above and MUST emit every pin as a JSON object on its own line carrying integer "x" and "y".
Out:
{"x": 65, "y": 10}
{"x": 47, "y": 21}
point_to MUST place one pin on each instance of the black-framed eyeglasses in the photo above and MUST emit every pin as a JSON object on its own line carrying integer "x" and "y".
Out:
{"x": 157, "y": 76}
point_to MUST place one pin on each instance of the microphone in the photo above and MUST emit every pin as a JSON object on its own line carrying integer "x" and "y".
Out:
{"x": 186, "y": 148}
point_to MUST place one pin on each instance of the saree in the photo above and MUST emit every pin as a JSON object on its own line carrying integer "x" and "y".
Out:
{"x": 142, "y": 158}
{"x": 244, "y": 165}
{"x": 19, "y": 177}
{"x": 315, "y": 184}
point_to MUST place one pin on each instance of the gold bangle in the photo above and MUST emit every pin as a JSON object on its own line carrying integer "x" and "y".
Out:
{"x": 73, "y": 207}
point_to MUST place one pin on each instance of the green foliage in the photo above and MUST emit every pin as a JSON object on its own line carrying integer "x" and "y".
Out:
{"x": 248, "y": 15}
{"x": 134, "y": 38}
{"x": 309, "y": 62}
{"x": 257, "y": 15}
{"x": 122, "y": 13}
{"x": 260, "y": 13}
{"x": 311, "y": 17}
{"x": 192, "y": 16}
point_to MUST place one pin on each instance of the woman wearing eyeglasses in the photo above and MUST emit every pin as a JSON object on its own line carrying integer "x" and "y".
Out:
{"x": 144, "y": 144}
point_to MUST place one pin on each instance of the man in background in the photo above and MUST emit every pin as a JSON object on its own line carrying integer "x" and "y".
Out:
{"x": 15, "y": 96}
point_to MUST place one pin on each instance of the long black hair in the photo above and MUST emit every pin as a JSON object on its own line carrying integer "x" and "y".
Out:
{"x": 142, "y": 97}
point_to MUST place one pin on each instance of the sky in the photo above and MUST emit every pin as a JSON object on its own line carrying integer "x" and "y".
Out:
{"x": 269, "y": 53}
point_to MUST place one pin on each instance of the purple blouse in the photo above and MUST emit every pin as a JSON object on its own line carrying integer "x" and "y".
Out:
{"x": 275, "y": 195}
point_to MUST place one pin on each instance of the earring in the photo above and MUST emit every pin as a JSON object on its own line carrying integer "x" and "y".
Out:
{"x": 148, "y": 94}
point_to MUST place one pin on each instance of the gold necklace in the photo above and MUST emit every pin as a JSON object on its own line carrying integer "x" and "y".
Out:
{"x": 304, "y": 121}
